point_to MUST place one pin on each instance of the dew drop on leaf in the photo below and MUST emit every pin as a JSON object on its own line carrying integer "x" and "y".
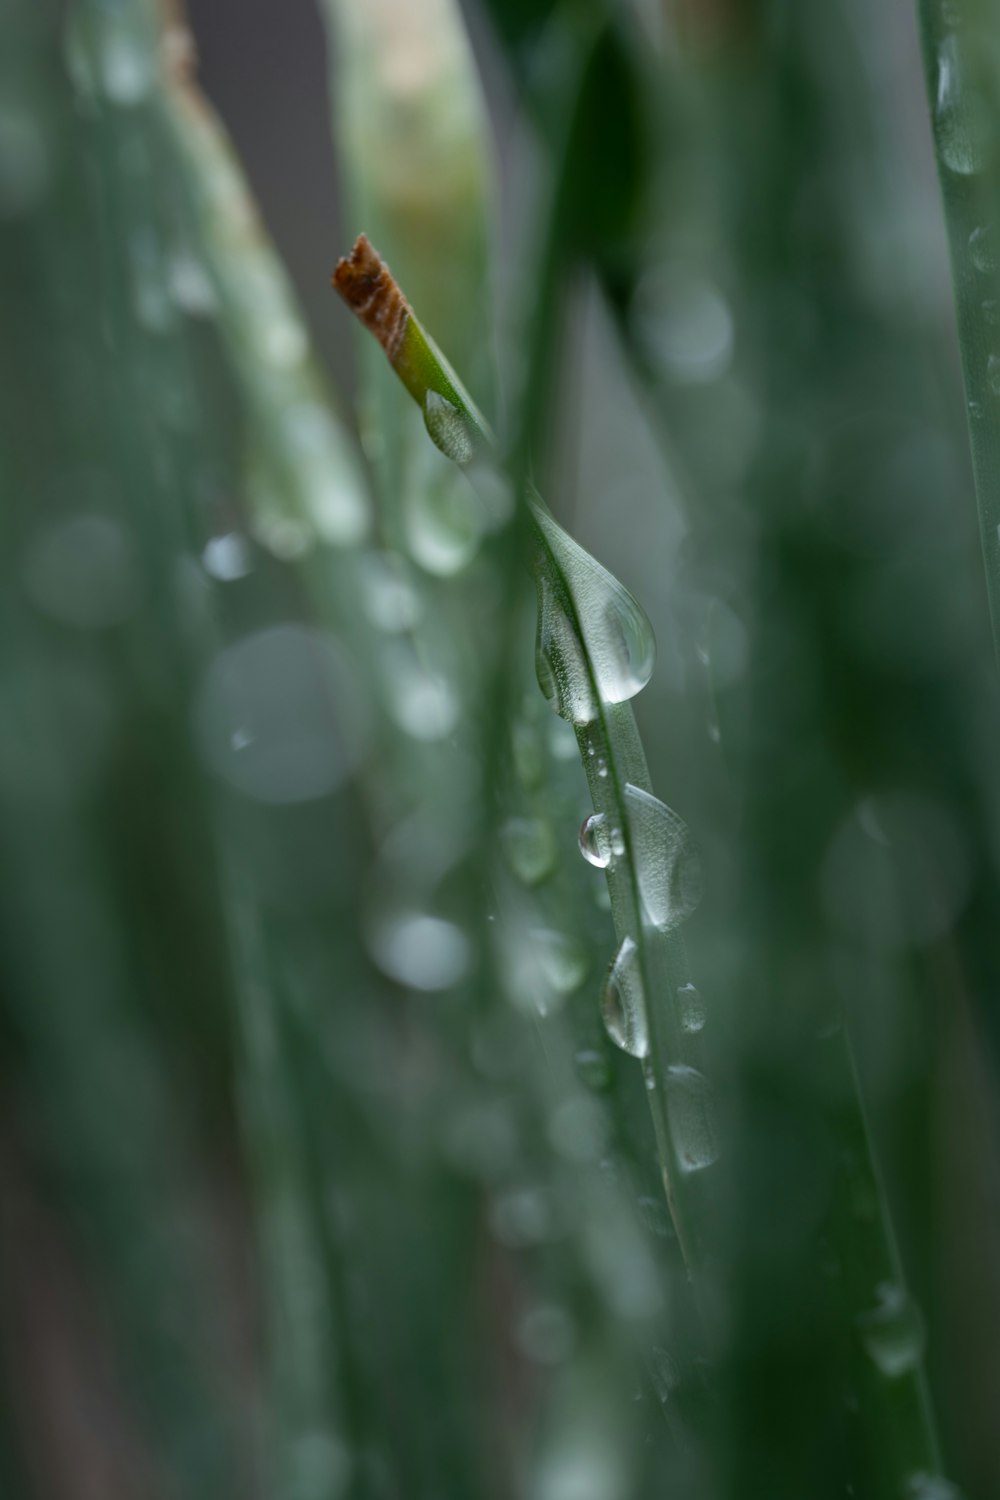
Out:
{"x": 667, "y": 862}
{"x": 623, "y": 1004}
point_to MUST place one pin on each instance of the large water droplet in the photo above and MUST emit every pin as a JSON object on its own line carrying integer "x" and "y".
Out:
{"x": 962, "y": 125}
{"x": 692, "y": 1007}
{"x": 618, "y": 636}
{"x": 530, "y": 848}
{"x": 893, "y": 1330}
{"x": 600, "y": 840}
{"x": 560, "y": 663}
{"x": 691, "y": 1116}
{"x": 983, "y": 250}
{"x": 449, "y": 429}
{"x": 623, "y": 1004}
{"x": 667, "y": 862}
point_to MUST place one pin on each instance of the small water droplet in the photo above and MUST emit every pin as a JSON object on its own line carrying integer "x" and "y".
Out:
{"x": 893, "y": 1330}
{"x": 190, "y": 285}
{"x": 692, "y": 1007}
{"x": 982, "y": 249}
{"x": 530, "y": 848}
{"x": 449, "y": 429}
{"x": 667, "y": 862}
{"x": 962, "y": 125}
{"x": 595, "y": 840}
{"x": 623, "y": 1004}
{"x": 593, "y": 1069}
{"x": 227, "y": 557}
{"x": 619, "y": 639}
{"x": 691, "y": 1116}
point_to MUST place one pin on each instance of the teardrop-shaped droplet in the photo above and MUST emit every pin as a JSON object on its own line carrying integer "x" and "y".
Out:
{"x": 618, "y": 636}
{"x": 623, "y": 1004}
{"x": 893, "y": 1330}
{"x": 560, "y": 662}
{"x": 983, "y": 250}
{"x": 449, "y": 429}
{"x": 601, "y": 841}
{"x": 692, "y": 1007}
{"x": 692, "y": 1118}
{"x": 667, "y": 862}
{"x": 530, "y": 848}
{"x": 962, "y": 126}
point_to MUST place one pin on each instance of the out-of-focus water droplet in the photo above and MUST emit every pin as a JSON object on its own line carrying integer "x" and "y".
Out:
{"x": 546, "y": 1334}
{"x": 278, "y": 716}
{"x": 618, "y": 636}
{"x": 685, "y": 323}
{"x": 692, "y": 1007}
{"x": 923, "y": 1486}
{"x": 190, "y": 285}
{"x": 530, "y": 848}
{"x": 227, "y": 557}
{"x": 449, "y": 429}
{"x": 423, "y": 703}
{"x": 667, "y": 862}
{"x": 443, "y": 523}
{"x": 623, "y": 1004}
{"x": 422, "y": 951}
{"x": 692, "y": 1118}
{"x": 596, "y": 843}
{"x": 82, "y": 572}
{"x": 593, "y": 1069}
{"x": 892, "y": 1331}
{"x": 962, "y": 125}
{"x": 983, "y": 249}
{"x": 562, "y": 960}
{"x": 523, "y": 1216}
{"x": 126, "y": 64}
{"x": 993, "y": 373}
{"x": 390, "y": 599}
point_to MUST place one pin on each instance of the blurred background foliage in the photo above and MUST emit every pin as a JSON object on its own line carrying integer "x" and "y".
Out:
{"x": 320, "y": 1175}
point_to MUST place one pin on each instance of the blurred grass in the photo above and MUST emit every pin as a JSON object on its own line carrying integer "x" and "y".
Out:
{"x": 320, "y": 1175}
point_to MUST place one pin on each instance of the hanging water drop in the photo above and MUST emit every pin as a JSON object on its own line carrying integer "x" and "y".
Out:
{"x": 595, "y": 841}
{"x": 962, "y": 125}
{"x": 667, "y": 862}
{"x": 982, "y": 249}
{"x": 560, "y": 664}
{"x": 618, "y": 636}
{"x": 692, "y": 1118}
{"x": 892, "y": 1331}
{"x": 449, "y": 429}
{"x": 692, "y": 1007}
{"x": 623, "y": 1004}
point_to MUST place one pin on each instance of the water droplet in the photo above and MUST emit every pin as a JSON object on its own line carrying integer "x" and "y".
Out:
{"x": 449, "y": 429}
{"x": 530, "y": 848}
{"x": 561, "y": 959}
{"x": 391, "y": 602}
{"x": 423, "y": 703}
{"x": 593, "y": 1069}
{"x": 975, "y": 410}
{"x": 418, "y": 950}
{"x": 602, "y": 769}
{"x": 126, "y": 65}
{"x": 619, "y": 638}
{"x": 443, "y": 522}
{"x": 623, "y": 1004}
{"x": 190, "y": 285}
{"x": 692, "y": 1007}
{"x": 961, "y": 121}
{"x": 667, "y": 862}
{"x": 291, "y": 690}
{"x": 983, "y": 250}
{"x": 993, "y": 373}
{"x": 691, "y": 1116}
{"x": 227, "y": 557}
{"x": 595, "y": 840}
{"x": 560, "y": 662}
{"x": 684, "y": 322}
{"x": 82, "y": 573}
{"x": 330, "y": 489}
{"x": 893, "y": 1330}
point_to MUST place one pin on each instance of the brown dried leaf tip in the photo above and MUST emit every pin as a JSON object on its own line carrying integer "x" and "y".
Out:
{"x": 368, "y": 287}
